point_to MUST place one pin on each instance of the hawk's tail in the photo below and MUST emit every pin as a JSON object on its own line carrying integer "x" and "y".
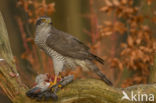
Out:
{"x": 94, "y": 68}
{"x": 98, "y": 59}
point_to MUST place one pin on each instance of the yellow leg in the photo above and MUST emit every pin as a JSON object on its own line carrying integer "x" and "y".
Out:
{"x": 53, "y": 83}
{"x": 59, "y": 76}
{"x": 55, "y": 80}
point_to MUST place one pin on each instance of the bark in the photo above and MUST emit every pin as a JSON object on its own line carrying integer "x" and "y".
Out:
{"x": 79, "y": 91}
{"x": 10, "y": 12}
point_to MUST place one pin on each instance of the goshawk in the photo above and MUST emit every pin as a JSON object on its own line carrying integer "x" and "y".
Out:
{"x": 65, "y": 50}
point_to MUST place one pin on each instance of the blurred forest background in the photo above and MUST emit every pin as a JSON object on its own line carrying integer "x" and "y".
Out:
{"x": 122, "y": 32}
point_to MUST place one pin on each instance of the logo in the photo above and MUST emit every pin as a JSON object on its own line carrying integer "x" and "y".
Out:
{"x": 137, "y": 96}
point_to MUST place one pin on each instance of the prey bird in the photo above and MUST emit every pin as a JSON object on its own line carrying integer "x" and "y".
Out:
{"x": 65, "y": 50}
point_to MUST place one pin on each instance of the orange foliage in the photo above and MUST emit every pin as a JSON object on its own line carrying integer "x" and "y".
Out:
{"x": 34, "y": 9}
{"x": 138, "y": 51}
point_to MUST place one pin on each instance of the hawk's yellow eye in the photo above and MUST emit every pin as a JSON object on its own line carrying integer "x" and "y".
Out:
{"x": 43, "y": 20}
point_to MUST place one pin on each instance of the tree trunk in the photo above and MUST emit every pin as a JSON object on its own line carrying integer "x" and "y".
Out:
{"x": 80, "y": 91}
{"x": 10, "y": 12}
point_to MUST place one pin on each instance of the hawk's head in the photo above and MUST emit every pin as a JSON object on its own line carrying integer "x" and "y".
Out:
{"x": 43, "y": 20}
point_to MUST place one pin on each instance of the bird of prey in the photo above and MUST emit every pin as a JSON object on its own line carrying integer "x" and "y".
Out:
{"x": 65, "y": 50}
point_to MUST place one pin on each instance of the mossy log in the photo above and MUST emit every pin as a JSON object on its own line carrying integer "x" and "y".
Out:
{"x": 79, "y": 91}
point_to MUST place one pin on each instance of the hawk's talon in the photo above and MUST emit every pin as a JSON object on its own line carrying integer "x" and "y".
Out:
{"x": 60, "y": 86}
{"x": 40, "y": 92}
{"x": 51, "y": 84}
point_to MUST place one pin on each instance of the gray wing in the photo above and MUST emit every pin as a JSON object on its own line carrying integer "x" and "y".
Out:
{"x": 67, "y": 45}
{"x": 70, "y": 46}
